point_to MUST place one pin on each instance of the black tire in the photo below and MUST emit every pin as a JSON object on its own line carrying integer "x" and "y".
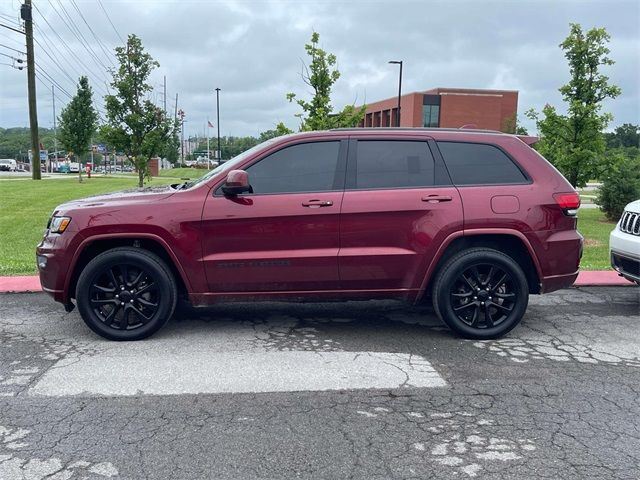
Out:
{"x": 481, "y": 293}
{"x": 126, "y": 294}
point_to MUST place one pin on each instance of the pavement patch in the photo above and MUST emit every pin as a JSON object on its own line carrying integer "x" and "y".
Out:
{"x": 201, "y": 371}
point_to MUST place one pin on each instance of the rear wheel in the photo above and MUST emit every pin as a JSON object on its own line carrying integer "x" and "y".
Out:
{"x": 126, "y": 294}
{"x": 481, "y": 293}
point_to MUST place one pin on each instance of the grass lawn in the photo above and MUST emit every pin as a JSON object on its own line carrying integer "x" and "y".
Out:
{"x": 183, "y": 173}
{"x": 25, "y": 207}
{"x": 595, "y": 228}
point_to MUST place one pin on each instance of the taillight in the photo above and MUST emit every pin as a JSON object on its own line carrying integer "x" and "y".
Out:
{"x": 568, "y": 202}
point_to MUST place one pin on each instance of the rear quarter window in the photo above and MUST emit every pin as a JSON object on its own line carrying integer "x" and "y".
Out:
{"x": 479, "y": 164}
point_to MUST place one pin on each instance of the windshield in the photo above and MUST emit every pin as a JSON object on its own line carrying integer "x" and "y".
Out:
{"x": 230, "y": 164}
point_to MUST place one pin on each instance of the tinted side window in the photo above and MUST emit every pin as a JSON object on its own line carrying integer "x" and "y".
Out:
{"x": 393, "y": 164}
{"x": 308, "y": 167}
{"x": 479, "y": 164}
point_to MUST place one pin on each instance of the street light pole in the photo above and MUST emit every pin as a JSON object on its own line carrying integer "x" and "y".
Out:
{"x": 218, "y": 123}
{"x": 398, "y": 62}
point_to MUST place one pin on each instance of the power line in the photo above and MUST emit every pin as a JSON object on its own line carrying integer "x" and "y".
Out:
{"x": 107, "y": 53}
{"x": 78, "y": 59}
{"x": 112, "y": 25}
{"x": 64, "y": 72}
{"x": 11, "y": 65}
{"x": 52, "y": 80}
{"x": 11, "y": 28}
{"x": 12, "y": 58}
{"x": 7, "y": 36}
{"x": 9, "y": 18}
{"x": 14, "y": 49}
{"x": 77, "y": 33}
{"x": 54, "y": 46}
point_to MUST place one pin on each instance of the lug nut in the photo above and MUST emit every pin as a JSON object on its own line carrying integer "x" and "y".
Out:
{"x": 482, "y": 303}
{"x": 130, "y": 301}
{"x": 117, "y": 296}
{"x": 121, "y": 287}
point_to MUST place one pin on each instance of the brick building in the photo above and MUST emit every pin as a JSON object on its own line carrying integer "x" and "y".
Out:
{"x": 448, "y": 108}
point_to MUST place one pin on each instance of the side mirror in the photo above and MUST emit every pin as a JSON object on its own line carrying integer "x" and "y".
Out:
{"x": 237, "y": 182}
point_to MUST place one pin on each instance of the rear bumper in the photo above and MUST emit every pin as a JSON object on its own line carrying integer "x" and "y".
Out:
{"x": 559, "y": 254}
{"x": 558, "y": 282}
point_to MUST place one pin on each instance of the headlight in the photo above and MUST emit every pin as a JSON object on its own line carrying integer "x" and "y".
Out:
{"x": 59, "y": 224}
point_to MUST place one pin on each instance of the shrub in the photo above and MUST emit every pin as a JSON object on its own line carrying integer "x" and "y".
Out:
{"x": 620, "y": 185}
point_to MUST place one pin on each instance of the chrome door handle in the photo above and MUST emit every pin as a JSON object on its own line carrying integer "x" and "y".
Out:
{"x": 436, "y": 198}
{"x": 317, "y": 203}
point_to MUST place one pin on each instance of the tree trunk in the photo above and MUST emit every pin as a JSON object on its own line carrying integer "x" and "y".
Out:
{"x": 140, "y": 177}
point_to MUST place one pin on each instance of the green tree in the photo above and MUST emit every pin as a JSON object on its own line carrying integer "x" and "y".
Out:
{"x": 626, "y": 135}
{"x": 620, "y": 184}
{"x": 78, "y": 122}
{"x": 172, "y": 145}
{"x": 574, "y": 142}
{"x": 513, "y": 126}
{"x": 135, "y": 126}
{"x": 16, "y": 141}
{"x": 321, "y": 75}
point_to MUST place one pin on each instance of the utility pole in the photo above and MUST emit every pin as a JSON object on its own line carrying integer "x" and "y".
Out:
{"x": 55, "y": 131}
{"x": 26, "y": 15}
{"x": 180, "y": 113}
{"x": 218, "y": 123}
{"x": 165, "y": 96}
{"x": 175, "y": 115}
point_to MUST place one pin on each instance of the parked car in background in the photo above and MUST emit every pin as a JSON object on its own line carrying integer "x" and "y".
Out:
{"x": 8, "y": 165}
{"x": 624, "y": 243}
{"x": 473, "y": 221}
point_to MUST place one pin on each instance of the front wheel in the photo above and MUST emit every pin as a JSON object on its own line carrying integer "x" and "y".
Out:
{"x": 481, "y": 293}
{"x": 126, "y": 294}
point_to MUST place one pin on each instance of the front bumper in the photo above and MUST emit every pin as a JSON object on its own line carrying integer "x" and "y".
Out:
{"x": 54, "y": 255}
{"x": 625, "y": 254}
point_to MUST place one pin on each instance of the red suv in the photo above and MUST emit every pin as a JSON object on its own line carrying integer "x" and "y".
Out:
{"x": 474, "y": 220}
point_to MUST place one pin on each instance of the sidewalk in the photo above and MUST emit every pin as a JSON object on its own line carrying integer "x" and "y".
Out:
{"x": 587, "y": 278}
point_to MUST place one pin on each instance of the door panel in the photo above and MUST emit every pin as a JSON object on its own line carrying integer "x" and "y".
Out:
{"x": 271, "y": 242}
{"x": 388, "y": 237}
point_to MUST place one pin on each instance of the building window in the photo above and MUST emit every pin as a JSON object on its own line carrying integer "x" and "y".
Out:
{"x": 386, "y": 118}
{"x": 430, "y": 115}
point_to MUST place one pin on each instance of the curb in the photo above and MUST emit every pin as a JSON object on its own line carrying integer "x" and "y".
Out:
{"x": 599, "y": 278}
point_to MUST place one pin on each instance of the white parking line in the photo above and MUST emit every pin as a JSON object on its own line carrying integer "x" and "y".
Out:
{"x": 200, "y": 371}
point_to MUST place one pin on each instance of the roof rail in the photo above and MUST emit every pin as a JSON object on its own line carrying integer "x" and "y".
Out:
{"x": 427, "y": 129}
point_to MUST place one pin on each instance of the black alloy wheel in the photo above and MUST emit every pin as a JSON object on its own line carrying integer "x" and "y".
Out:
{"x": 126, "y": 294}
{"x": 481, "y": 293}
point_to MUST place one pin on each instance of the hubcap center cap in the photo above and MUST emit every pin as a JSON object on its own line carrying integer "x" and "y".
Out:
{"x": 483, "y": 295}
{"x": 125, "y": 296}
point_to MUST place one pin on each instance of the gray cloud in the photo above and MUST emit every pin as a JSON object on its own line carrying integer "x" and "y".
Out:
{"x": 252, "y": 50}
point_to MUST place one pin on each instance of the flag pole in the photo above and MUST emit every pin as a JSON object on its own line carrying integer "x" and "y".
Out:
{"x": 208, "y": 162}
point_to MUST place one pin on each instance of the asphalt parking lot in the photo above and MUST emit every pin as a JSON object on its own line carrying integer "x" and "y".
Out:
{"x": 371, "y": 390}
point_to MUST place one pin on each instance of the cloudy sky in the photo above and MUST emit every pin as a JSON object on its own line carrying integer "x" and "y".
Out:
{"x": 253, "y": 51}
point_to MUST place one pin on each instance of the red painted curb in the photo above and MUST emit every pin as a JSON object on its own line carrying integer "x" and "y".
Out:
{"x": 601, "y": 278}
{"x": 594, "y": 279}
{"x": 20, "y": 284}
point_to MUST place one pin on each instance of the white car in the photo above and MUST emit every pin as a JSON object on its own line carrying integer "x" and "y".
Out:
{"x": 624, "y": 243}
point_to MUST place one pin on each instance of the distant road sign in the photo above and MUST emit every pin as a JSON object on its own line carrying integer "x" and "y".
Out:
{"x": 101, "y": 148}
